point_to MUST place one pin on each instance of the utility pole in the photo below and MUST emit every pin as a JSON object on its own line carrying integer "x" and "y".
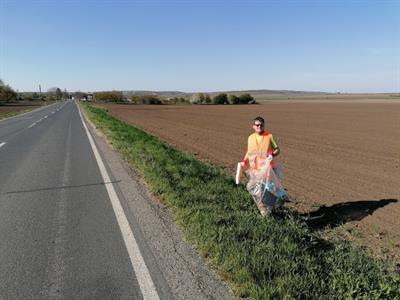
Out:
{"x": 40, "y": 92}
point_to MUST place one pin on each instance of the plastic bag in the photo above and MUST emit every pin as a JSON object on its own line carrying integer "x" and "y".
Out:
{"x": 265, "y": 186}
{"x": 239, "y": 171}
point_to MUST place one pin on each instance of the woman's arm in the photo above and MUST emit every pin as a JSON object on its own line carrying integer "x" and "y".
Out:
{"x": 275, "y": 147}
{"x": 246, "y": 159}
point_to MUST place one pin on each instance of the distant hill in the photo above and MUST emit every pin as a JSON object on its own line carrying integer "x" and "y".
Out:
{"x": 275, "y": 94}
{"x": 252, "y": 92}
{"x": 159, "y": 93}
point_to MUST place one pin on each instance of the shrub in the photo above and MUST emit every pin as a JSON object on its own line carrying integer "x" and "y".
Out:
{"x": 200, "y": 98}
{"x": 220, "y": 99}
{"x": 245, "y": 98}
{"x": 108, "y": 96}
{"x": 233, "y": 99}
{"x": 7, "y": 94}
{"x": 178, "y": 100}
{"x": 146, "y": 99}
{"x": 204, "y": 99}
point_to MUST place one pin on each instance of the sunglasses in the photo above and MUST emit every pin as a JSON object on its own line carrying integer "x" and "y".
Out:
{"x": 259, "y": 125}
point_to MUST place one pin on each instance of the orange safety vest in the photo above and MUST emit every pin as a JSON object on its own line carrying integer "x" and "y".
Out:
{"x": 257, "y": 152}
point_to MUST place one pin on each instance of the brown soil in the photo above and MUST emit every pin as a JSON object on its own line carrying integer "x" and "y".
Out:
{"x": 15, "y": 107}
{"x": 341, "y": 161}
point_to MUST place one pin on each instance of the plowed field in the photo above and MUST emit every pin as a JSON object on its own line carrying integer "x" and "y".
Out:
{"x": 7, "y": 109}
{"x": 341, "y": 161}
{"x": 16, "y": 107}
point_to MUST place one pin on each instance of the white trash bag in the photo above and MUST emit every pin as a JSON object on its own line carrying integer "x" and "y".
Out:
{"x": 264, "y": 185}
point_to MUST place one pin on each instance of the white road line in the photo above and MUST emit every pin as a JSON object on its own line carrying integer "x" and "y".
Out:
{"x": 139, "y": 266}
{"x": 40, "y": 120}
{"x": 2, "y": 144}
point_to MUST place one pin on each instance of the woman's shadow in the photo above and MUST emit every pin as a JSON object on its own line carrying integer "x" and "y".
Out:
{"x": 337, "y": 214}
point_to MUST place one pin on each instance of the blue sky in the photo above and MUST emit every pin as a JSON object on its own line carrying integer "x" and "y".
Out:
{"x": 335, "y": 46}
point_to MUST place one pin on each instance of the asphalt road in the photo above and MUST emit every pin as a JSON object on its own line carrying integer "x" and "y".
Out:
{"x": 60, "y": 237}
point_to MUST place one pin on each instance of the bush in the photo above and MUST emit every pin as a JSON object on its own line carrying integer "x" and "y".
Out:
{"x": 108, "y": 96}
{"x": 245, "y": 99}
{"x": 220, "y": 99}
{"x": 48, "y": 98}
{"x": 178, "y": 100}
{"x": 146, "y": 99}
{"x": 233, "y": 99}
{"x": 204, "y": 99}
{"x": 242, "y": 99}
{"x": 7, "y": 94}
{"x": 200, "y": 98}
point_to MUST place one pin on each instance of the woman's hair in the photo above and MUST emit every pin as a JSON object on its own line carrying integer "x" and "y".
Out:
{"x": 260, "y": 119}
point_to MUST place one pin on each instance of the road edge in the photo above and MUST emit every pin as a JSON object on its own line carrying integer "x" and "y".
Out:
{"x": 142, "y": 273}
{"x": 201, "y": 276}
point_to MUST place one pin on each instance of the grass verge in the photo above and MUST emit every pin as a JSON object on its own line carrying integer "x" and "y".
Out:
{"x": 277, "y": 257}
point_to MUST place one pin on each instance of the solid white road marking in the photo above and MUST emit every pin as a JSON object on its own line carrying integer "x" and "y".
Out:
{"x": 139, "y": 266}
{"x": 2, "y": 144}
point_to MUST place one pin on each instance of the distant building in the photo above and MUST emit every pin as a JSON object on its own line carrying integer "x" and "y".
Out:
{"x": 88, "y": 97}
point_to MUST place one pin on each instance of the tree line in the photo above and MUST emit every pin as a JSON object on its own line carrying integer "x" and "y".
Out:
{"x": 222, "y": 98}
{"x": 8, "y": 94}
{"x": 199, "y": 98}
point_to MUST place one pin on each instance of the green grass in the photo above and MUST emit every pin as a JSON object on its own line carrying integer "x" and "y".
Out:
{"x": 277, "y": 257}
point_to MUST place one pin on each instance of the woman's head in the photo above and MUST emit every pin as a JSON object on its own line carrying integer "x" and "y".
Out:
{"x": 258, "y": 125}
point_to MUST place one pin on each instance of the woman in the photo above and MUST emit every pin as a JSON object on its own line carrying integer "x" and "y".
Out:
{"x": 264, "y": 185}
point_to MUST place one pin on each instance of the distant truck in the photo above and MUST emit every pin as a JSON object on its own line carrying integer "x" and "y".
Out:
{"x": 88, "y": 97}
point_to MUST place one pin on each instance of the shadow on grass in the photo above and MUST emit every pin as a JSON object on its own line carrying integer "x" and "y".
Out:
{"x": 338, "y": 214}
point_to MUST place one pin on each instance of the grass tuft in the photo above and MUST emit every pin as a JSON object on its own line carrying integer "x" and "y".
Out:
{"x": 277, "y": 257}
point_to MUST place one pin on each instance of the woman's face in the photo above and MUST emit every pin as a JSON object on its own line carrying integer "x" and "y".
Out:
{"x": 258, "y": 127}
